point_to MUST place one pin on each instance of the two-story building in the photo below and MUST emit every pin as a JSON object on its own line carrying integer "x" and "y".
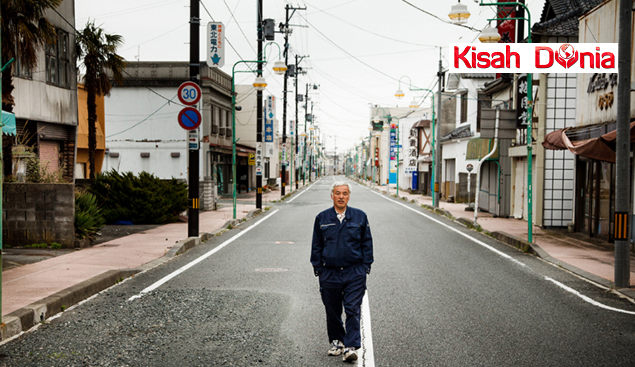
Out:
{"x": 143, "y": 133}
{"x": 45, "y": 101}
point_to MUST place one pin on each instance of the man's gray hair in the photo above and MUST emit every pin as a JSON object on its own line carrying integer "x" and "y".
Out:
{"x": 340, "y": 183}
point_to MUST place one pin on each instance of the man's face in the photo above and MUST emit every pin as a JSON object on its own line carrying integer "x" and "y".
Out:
{"x": 340, "y": 197}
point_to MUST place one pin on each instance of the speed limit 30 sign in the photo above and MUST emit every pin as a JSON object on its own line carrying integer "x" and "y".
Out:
{"x": 189, "y": 93}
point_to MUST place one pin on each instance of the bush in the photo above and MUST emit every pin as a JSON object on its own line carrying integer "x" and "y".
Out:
{"x": 145, "y": 199}
{"x": 88, "y": 216}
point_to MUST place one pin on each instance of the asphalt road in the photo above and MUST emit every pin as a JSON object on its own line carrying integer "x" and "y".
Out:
{"x": 436, "y": 297}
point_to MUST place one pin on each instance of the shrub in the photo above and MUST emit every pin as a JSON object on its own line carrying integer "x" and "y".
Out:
{"x": 88, "y": 216}
{"x": 143, "y": 199}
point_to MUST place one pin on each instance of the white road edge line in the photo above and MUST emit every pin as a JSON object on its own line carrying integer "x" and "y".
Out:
{"x": 585, "y": 298}
{"x": 455, "y": 230}
{"x": 198, "y": 260}
{"x": 367, "y": 355}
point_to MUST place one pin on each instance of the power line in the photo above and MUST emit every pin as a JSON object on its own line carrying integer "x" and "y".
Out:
{"x": 371, "y": 32}
{"x": 239, "y": 27}
{"x": 145, "y": 119}
{"x": 346, "y": 52}
{"x": 443, "y": 20}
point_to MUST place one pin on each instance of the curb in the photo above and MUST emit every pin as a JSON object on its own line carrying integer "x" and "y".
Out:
{"x": 28, "y": 316}
{"x": 25, "y": 318}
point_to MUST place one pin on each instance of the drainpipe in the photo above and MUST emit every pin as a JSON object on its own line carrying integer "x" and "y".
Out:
{"x": 478, "y": 166}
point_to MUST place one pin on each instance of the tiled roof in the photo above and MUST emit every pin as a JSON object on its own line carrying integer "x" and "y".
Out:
{"x": 560, "y": 17}
{"x": 458, "y": 133}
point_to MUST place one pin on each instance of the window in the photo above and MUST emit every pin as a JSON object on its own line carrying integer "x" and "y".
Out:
{"x": 223, "y": 115}
{"x": 57, "y": 61}
{"x": 216, "y": 117}
{"x": 463, "y": 107}
{"x": 19, "y": 69}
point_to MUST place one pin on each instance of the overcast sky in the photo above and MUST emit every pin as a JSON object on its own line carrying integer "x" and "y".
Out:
{"x": 359, "y": 49}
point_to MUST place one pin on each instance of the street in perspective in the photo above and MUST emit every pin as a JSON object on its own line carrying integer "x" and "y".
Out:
{"x": 332, "y": 183}
{"x": 438, "y": 294}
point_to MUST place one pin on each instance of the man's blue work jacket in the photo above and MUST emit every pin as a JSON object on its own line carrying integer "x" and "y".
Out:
{"x": 338, "y": 245}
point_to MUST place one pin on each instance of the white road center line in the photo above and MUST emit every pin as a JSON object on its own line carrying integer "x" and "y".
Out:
{"x": 198, "y": 260}
{"x": 568, "y": 289}
{"x": 366, "y": 355}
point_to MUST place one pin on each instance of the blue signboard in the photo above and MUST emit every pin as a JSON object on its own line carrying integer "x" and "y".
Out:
{"x": 269, "y": 104}
{"x": 392, "y": 177}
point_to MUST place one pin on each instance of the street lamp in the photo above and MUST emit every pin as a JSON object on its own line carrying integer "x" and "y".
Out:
{"x": 459, "y": 13}
{"x": 259, "y": 84}
{"x": 489, "y": 35}
{"x": 530, "y": 108}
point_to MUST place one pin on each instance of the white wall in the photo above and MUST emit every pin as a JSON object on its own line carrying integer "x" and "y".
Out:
{"x": 137, "y": 121}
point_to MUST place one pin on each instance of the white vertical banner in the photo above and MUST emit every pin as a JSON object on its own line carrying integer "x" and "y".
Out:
{"x": 215, "y": 44}
{"x": 259, "y": 159}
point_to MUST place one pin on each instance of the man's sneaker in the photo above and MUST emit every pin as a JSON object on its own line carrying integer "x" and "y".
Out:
{"x": 337, "y": 348}
{"x": 350, "y": 355}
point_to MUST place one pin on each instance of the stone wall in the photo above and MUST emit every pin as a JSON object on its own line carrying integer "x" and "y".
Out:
{"x": 38, "y": 213}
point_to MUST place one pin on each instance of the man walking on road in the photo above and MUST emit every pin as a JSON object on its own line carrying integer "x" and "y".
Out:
{"x": 341, "y": 255}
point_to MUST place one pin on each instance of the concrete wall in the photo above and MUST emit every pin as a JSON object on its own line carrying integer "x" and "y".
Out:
{"x": 38, "y": 213}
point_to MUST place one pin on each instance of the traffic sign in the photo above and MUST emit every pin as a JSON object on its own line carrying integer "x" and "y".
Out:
{"x": 470, "y": 167}
{"x": 192, "y": 137}
{"x": 252, "y": 159}
{"x": 189, "y": 118}
{"x": 189, "y": 93}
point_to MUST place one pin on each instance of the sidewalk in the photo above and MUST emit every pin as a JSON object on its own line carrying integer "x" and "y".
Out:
{"x": 34, "y": 292}
{"x": 582, "y": 255}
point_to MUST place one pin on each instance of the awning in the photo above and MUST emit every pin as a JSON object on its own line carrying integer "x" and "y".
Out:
{"x": 478, "y": 148}
{"x": 8, "y": 123}
{"x": 601, "y": 148}
{"x": 422, "y": 123}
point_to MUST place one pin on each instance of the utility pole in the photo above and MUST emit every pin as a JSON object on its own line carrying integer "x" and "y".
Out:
{"x": 259, "y": 108}
{"x": 298, "y": 69}
{"x": 193, "y": 173}
{"x": 284, "y": 28}
{"x": 306, "y": 114}
{"x": 437, "y": 143}
{"x": 297, "y": 138}
{"x": 312, "y": 144}
{"x": 622, "y": 148}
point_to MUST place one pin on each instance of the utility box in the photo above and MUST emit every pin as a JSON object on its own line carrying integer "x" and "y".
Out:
{"x": 269, "y": 29}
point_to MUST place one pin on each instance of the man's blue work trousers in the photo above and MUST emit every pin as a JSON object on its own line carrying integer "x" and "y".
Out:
{"x": 343, "y": 287}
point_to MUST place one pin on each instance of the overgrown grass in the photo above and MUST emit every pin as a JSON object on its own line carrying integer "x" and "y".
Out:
{"x": 36, "y": 245}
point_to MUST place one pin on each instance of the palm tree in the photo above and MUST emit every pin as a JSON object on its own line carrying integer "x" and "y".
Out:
{"x": 98, "y": 51}
{"x": 24, "y": 32}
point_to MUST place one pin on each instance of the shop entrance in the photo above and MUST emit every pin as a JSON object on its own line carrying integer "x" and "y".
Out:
{"x": 595, "y": 198}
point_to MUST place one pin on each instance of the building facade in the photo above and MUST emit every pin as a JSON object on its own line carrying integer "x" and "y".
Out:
{"x": 46, "y": 102}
